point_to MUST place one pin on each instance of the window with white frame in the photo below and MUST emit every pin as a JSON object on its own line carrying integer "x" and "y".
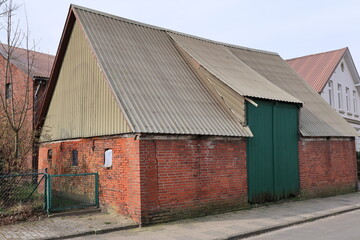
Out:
{"x": 347, "y": 97}
{"x": 339, "y": 88}
{"x": 331, "y": 93}
{"x": 355, "y": 102}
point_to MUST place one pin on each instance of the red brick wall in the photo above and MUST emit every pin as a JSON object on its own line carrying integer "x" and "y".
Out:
{"x": 182, "y": 178}
{"x": 119, "y": 185}
{"x": 177, "y": 178}
{"x": 19, "y": 91}
{"x": 158, "y": 180}
{"x": 327, "y": 167}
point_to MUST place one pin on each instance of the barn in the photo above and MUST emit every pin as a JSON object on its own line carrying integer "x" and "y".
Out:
{"x": 179, "y": 126}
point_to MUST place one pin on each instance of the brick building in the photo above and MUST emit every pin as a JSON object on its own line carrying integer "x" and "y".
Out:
{"x": 35, "y": 68}
{"x": 178, "y": 126}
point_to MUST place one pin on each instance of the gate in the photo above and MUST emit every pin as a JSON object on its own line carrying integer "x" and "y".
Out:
{"x": 272, "y": 154}
{"x": 68, "y": 191}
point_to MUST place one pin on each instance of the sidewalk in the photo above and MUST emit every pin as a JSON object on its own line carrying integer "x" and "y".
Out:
{"x": 234, "y": 225}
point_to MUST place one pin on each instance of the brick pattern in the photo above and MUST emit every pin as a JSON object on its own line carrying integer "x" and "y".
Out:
{"x": 19, "y": 80}
{"x": 119, "y": 185}
{"x": 182, "y": 178}
{"x": 159, "y": 180}
{"x": 154, "y": 180}
{"x": 327, "y": 166}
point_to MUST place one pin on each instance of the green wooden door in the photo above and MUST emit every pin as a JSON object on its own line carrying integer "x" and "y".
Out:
{"x": 272, "y": 154}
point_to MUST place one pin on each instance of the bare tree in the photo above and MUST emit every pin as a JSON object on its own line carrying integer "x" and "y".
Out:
{"x": 16, "y": 96}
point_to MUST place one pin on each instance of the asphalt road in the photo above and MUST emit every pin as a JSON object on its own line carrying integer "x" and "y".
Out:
{"x": 341, "y": 227}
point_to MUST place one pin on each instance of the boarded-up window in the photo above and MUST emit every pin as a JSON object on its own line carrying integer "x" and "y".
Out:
{"x": 108, "y": 158}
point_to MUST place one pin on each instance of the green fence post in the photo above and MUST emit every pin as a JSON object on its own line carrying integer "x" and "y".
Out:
{"x": 97, "y": 189}
{"x": 48, "y": 194}
{"x": 45, "y": 191}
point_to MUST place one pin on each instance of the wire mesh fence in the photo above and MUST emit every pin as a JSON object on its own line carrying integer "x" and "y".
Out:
{"x": 21, "y": 196}
{"x": 72, "y": 191}
{"x": 24, "y": 195}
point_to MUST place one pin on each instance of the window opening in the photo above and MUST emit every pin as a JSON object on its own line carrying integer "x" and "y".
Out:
{"x": 331, "y": 93}
{"x": 347, "y": 95}
{"x": 75, "y": 158}
{"x": 108, "y": 158}
{"x": 340, "y": 96}
{"x": 8, "y": 89}
{"x": 49, "y": 155}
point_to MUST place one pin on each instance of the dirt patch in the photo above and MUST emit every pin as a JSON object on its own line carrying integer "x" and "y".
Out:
{"x": 22, "y": 217}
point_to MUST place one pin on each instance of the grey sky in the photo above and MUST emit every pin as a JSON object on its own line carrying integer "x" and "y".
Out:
{"x": 291, "y": 28}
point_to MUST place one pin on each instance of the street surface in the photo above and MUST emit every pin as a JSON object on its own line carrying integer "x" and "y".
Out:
{"x": 340, "y": 227}
{"x": 345, "y": 226}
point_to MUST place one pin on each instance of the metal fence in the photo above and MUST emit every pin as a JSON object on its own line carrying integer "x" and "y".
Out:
{"x": 70, "y": 191}
{"x": 24, "y": 195}
{"x": 21, "y": 196}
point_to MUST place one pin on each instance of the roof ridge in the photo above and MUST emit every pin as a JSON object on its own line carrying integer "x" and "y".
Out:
{"x": 316, "y": 54}
{"x": 24, "y": 49}
{"x": 115, "y": 17}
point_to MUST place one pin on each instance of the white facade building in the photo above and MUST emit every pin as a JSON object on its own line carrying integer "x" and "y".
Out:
{"x": 334, "y": 76}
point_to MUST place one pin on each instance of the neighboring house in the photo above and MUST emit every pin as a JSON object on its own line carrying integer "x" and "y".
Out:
{"x": 177, "y": 125}
{"x": 39, "y": 75}
{"x": 334, "y": 76}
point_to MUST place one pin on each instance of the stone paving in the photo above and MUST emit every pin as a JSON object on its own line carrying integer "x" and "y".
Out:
{"x": 234, "y": 225}
{"x": 240, "y": 224}
{"x": 65, "y": 226}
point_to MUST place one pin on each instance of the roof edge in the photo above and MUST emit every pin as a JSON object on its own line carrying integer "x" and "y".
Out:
{"x": 315, "y": 54}
{"x": 170, "y": 31}
{"x": 65, "y": 36}
{"x": 99, "y": 64}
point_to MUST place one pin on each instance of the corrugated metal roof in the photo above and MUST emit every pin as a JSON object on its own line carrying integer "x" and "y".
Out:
{"x": 317, "y": 118}
{"x": 317, "y": 69}
{"x": 158, "y": 92}
{"x": 154, "y": 86}
{"x": 223, "y": 64}
{"x": 42, "y": 63}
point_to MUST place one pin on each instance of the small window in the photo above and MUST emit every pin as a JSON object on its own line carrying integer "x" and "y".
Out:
{"x": 340, "y": 96}
{"x": 75, "y": 158}
{"x": 347, "y": 97}
{"x": 355, "y": 102}
{"x": 342, "y": 66}
{"x": 108, "y": 158}
{"x": 8, "y": 90}
{"x": 331, "y": 93}
{"x": 49, "y": 155}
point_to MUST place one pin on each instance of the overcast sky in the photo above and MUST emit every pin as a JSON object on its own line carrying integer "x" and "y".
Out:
{"x": 291, "y": 28}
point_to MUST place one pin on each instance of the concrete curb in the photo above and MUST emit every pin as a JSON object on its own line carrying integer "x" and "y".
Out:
{"x": 290, "y": 224}
{"x": 92, "y": 232}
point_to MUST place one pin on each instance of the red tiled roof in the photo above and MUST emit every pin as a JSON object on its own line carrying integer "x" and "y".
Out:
{"x": 316, "y": 69}
{"x": 42, "y": 62}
